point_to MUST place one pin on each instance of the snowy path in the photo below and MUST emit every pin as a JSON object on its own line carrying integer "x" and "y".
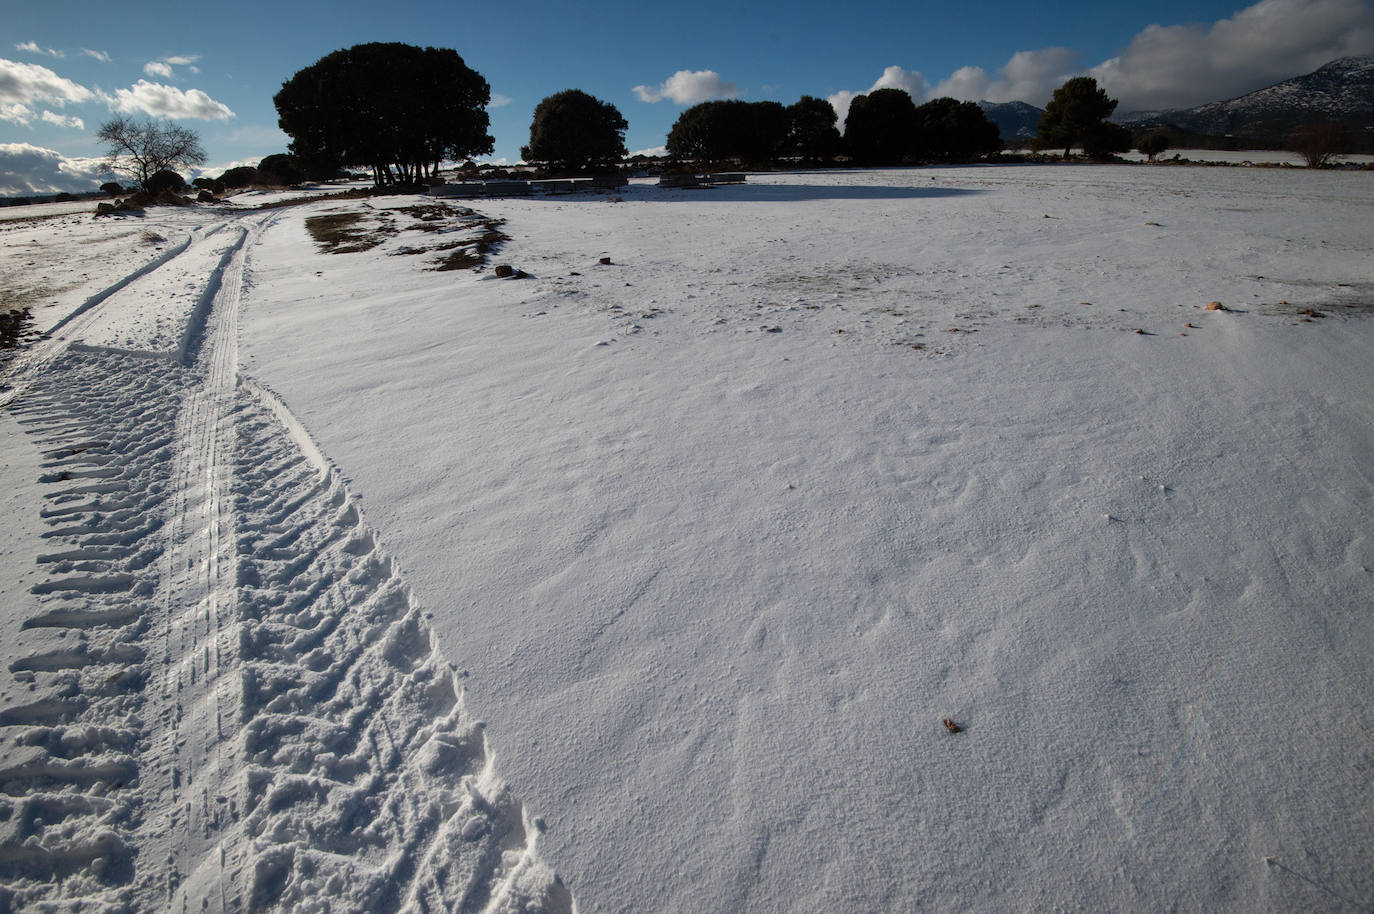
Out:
{"x": 225, "y": 699}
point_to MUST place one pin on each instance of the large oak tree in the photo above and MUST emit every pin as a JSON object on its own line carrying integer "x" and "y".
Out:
{"x": 395, "y": 108}
{"x": 572, "y": 131}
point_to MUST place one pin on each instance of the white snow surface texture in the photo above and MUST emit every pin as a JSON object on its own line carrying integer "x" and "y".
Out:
{"x": 332, "y": 582}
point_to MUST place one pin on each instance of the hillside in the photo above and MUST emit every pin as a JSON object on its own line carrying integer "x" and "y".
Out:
{"x": 1016, "y": 121}
{"x": 1342, "y": 90}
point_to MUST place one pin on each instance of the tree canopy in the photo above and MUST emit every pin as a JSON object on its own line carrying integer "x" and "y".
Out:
{"x": 718, "y": 130}
{"x": 573, "y": 131}
{"x": 811, "y": 131}
{"x": 385, "y": 106}
{"x": 1076, "y": 115}
{"x": 948, "y": 130}
{"x": 881, "y": 127}
{"x": 142, "y": 148}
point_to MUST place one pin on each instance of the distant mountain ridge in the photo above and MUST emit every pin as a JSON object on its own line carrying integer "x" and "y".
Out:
{"x": 1342, "y": 90}
{"x": 1016, "y": 121}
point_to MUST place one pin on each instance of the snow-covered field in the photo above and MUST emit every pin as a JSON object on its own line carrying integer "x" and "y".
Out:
{"x": 332, "y": 582}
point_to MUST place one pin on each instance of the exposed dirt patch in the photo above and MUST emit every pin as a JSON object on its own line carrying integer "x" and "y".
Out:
{"x": 463, "y": 238}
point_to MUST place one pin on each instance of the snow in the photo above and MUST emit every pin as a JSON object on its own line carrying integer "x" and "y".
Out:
{"x": 662, "y": 574}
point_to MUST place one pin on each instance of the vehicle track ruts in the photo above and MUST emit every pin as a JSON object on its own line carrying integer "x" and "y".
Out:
{"x": 237, "y": 705}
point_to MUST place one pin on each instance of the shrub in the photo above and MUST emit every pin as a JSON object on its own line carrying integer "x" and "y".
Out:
{"x": 281, "y": 169}
{"x": 1319, "y": 144}
{"x": 238, "y": 177}
{"x": 112, "y": 188}
{"x": 165, "y": 180}
{"x": 1152, "y": 144}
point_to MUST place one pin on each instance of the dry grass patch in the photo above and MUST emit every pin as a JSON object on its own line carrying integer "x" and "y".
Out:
{"x": 342, "y": 233}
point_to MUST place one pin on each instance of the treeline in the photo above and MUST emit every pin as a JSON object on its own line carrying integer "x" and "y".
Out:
{"x": 884, "y": 127}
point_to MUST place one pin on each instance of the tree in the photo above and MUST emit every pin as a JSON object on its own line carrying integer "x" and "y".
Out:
{"x": 1319, "y": 144}
{"x": 1075, "y": 115}
{"x": 395, "y": 108}
{"x": 714, "y": 131}
{"x": 949, "y": 130}
{"x": 881, "y": 127}
{"x": 142, "y": 148}
{"x": 112, "y": 188}
{"x": 811, "y": 131}
{"x": 1152, "y": 144}
{"x": 572, "y": 131}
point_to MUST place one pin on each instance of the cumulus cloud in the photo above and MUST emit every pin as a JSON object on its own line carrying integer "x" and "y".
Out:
{"x": 653, "y": 152}
{"x": 61, "y": 120}
{"x": 1029, "y": 76}
{"x": 33, "y": 48}
{"x": 909, "y": 81}
{"x": 688, "y": 87}
{"x": 16, "y": 113}
{"x": 98, "y": 55}
{"x": 26, "y": 83}
{"x": 29, "y": 169}
{"x": 168, "y": 101}
{"x": 498, "y": 100}
{"x": 1182, "y": 65}
{"x": 163, "y": 67}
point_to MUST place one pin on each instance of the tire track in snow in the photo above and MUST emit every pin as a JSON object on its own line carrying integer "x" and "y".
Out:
{"x": 237, "y": 704}
{"x": 74, "y": 757}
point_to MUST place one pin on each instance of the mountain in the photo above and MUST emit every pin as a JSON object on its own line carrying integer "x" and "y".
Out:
{"x": 1017, "y": 121}
{"x": 1342, "y": 90}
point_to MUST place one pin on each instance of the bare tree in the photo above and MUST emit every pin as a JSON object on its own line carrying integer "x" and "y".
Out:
{"x": 1319, "y": 144}
{"x": 142, "y": 148}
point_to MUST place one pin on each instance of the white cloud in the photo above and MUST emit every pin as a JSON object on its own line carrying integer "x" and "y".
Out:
{"x": 163, "y": 67}
{"x": 498, "y": 100}
{"x": 1029, "y": 76}
{"x": 1178, "y": 66}
{"x": 29, "y": 169}
{"x": 168, "y": 101}
{"x": 687, "y": 87}
{"x": 1182, "y": 65}
{"x": 653, "y": 152}
{"x": 61, "y": 120}
{"x": 841, "y": 101}
{"x": 26, "y": 83}
{"x": 909, "y": 81}
{"x": 101, "y": 56}
{"x": 16, "y": 113}
{"x": 215, "y": 170}
{"x": 33, "y": 48}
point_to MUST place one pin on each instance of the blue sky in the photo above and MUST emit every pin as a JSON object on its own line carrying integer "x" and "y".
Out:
{"x": 64, "y": 66}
